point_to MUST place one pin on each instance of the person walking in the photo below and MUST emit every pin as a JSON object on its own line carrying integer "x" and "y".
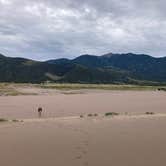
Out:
{"x": 40, "y": 111}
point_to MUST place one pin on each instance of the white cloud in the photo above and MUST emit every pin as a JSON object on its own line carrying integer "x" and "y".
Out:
{"x": 5, "y": 2}
{"x": 42, "y": 29}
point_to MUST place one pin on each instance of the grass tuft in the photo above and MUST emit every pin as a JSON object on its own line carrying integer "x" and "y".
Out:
{"x": 3, "y": 120}
{"x": 149, "y": 113}
{"x": 90, "y": 115}
{"x": 15, "y": 120}
{"x": 111, "y": 113}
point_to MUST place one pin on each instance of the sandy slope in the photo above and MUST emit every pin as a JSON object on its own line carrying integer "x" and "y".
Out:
{"x": 119, "y": 141}
{"x": 62, "y": 138}
{"x": 59, "y": 105}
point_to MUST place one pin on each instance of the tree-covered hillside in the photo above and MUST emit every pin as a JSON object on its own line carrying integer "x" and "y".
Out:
{"x": 109, "y": 68}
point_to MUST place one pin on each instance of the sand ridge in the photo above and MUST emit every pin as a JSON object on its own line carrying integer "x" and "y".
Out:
{"x": 61, "y": 137}
{"x": 62, "y": 105}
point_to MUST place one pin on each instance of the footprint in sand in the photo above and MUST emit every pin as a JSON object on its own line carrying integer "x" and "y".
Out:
{"x": 85, "y": 142}
{"x": 78, "y": 147}
{"x": 86, "y": 163}
{"x": 84, "y": 152}
{"x": 78, "y": 157}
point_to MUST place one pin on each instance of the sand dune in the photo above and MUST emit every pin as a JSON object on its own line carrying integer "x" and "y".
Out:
{"x": 62, "y": 138}
{"x": 62, "y": 105}
{"x": 88, "y": 141}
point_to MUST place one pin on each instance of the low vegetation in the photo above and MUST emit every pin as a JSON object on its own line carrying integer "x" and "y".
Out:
{"x": 15, "y": 120}
{"x": 7, "y": 90}
{"x": 70, "y": 86}
{"x": 149, "y": 113}
{"x": 111, "y": 114}
{"x": 14, "y": 89}
{"x": 11, "y": 89}
{"x": 3, "y": 120}
{"x": 161, "y": 89}
{"x": 90, "y": 115}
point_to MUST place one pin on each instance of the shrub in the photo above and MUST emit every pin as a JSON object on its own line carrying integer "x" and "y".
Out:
{"x": 111, "y": 113}
{"x": 15, "y": 120}
{"x": 90, "y": 115}
{"x": 149, "y": 113}
{"x": 3, "y": 120}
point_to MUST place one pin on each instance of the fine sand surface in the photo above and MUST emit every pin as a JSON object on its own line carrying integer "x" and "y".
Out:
{"x": 89, "y": 141}
{"x": 75, "y": 103}
{"x": 62, "y": 138}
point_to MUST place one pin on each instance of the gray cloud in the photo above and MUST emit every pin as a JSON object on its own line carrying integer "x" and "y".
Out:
{"x": 43, "y": 29}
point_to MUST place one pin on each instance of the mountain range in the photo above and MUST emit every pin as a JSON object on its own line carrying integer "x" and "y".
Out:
{"x": 109, "y": 68}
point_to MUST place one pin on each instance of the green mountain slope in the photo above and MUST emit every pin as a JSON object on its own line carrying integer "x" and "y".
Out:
{"x": 24, "y": 70}
{"x": 109, "y": 68}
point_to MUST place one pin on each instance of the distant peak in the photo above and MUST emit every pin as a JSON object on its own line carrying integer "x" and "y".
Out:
{"x": 84, "y": 55}
{"x": 108, "y": 55}
{"x": 123, "y": 54}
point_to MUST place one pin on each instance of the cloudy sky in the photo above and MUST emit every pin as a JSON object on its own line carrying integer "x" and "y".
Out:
{"x": 47, "y": 29}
